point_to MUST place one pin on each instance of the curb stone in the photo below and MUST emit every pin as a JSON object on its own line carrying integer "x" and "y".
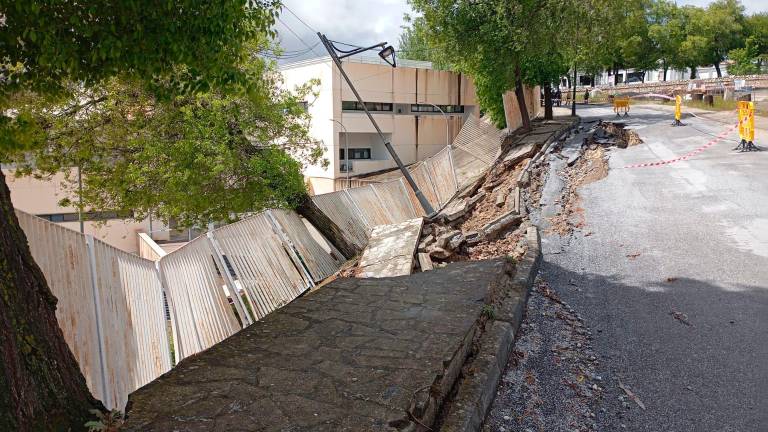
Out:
{"x": 476, "y": 392}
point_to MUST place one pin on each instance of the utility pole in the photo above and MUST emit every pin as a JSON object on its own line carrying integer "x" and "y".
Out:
{"x": 384, "y": 53}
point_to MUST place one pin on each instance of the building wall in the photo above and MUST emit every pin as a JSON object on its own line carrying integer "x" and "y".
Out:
{"x": 414, "y": 136}
{"x": 41, "y": 197}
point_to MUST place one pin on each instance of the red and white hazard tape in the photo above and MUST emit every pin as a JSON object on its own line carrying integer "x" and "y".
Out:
{"x": 721, "y": 136}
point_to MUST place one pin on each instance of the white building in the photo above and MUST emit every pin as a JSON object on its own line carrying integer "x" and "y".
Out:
{"x": 399, "y": 98}
{"x": 632, "y": 76}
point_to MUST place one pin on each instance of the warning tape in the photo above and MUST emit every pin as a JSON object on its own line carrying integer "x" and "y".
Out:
{"x": 721, "y": 136}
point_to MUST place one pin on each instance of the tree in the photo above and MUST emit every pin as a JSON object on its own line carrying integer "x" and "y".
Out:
{"x": 666, "y": 31}
{"x": 414, "y": 43}
{"x": 749, "y": 59}
{"x": 717, "y": 30}
{"x": 44, "y": 46}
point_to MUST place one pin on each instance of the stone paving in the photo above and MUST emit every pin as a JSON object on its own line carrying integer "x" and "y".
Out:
{"x": 355, "y": 355}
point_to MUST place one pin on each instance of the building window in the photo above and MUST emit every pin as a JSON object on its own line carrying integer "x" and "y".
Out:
{"x": 372, "y": 106}
{"x": 359, "y": 153}
{"x": 448, "y": 109}
{"x": 341, "y": 154}
{"x": 88, "y": 216}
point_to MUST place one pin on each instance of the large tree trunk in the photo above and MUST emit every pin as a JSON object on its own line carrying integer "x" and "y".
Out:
{"x": 520, "y": 95}
{"x": 41, "y": 386}
{"x": 327, "y": 227}
{"x": 693, "y": 72}
{"x": 717, "y": 68}
{"x": 665, "y": 71}
{"x": 548, "y": 101}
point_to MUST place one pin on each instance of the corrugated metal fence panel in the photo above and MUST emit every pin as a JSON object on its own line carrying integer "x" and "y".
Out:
{"x": 319, "y": 262}
{"x": 340, "y": 209}
{"x": 395, "y": 198}
{"x": 467, "y": 166}
{"x": 479, "y": 138}
{"x": 130, "y": 297}
{"x": 261, "y": 263}
{"x": 201, "y": 310}
{"x": 421, "y": 175}
{"x": 62, "y": 256}
{"x": 441, "y": 166}
{"x": 369, "y": 203}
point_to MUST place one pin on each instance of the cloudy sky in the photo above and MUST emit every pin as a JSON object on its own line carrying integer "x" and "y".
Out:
{"x": 367, "y": 22}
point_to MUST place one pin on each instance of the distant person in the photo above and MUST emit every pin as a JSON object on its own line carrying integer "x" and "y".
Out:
{"x": 586, "y": 97}
{"x": 558, "y": 96}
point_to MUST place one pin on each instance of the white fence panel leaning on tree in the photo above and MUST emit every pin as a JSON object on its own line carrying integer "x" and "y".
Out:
{"x": 110, "y": 308}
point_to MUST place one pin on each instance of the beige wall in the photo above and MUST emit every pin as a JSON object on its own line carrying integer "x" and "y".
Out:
{"x": 41, "y": 197}
{"x": 381, "y": 83}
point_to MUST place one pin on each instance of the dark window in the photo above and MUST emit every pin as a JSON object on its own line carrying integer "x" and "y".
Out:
{"x": 359, "y": 153}
{"x": 341, "y": 154}
{"x": 448, "y": 109}
{"x": 89, "y": 216}
{"x": 372, "y": 106}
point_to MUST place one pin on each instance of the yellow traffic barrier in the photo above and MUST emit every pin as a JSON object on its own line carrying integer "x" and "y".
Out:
{"x": 678, "y": 110}
{"x": 747, "y": 127}
{"x": 621, "y": 105}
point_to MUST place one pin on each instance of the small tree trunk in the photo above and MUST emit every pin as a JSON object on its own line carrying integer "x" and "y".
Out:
{"x": 717, "y": 68}
{"x": 41, "y": 386}
{"x": 327, "y": 227}
{"x": 615, "y": 74}
{"x": 573, "y": 105}
{"x": 665, "y": 71}
{"x": 520, "y": 95}
{"x": 548, "y": 101}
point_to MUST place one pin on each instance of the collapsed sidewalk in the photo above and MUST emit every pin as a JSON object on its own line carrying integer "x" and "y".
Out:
{"x": 418, "y": 352}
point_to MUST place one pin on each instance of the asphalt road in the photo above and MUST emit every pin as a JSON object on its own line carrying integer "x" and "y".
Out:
{"x": 672, "y": 279}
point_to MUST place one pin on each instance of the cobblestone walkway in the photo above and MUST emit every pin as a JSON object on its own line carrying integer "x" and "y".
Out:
{"x": 356, "y": 355}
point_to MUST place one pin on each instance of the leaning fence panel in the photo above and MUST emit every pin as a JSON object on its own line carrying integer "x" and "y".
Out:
{"x": 62, "y": 256}
{"x": 370, "y": 205}
{"x": 423, "y": 179}
{"x": 479, "y": 138}
{"x": 135, "y": 342}
{"x": 262, "y": 265}
{"x": 200, "y": 307}
{"x": 441, "y": 166}
{"x": 394, "y": 197}
{"x": 320, "y": 263}
{"x": 342, "y": 211}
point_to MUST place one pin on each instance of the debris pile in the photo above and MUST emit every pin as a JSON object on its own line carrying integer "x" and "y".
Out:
{"x": 485, "y": 220}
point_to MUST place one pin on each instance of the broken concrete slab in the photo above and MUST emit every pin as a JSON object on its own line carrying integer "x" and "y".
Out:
{"x": 454, "y": 210}
{"x": 497, "y": 226}
{"x": 425, "y": 262}
{"x": 517, "y": 154}
{"x": 501, "y": 198}
{"x": 390, "y": 250}
{"x": 357, "y": 355}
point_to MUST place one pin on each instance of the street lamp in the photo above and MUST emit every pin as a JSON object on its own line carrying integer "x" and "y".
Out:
{"x": 346, "y": 149}
{"x": 384, "y": 53}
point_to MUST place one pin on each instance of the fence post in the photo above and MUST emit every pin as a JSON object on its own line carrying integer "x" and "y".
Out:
{"x": 292, "y": 252}
{"x": 218, "y": 254}
{"x": 177, "y": 348}
{"x": 453, "y": 169}
{"x": 90, "y": 248}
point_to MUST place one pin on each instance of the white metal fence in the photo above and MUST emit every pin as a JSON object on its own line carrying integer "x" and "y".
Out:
{"x": 357, "y": 210}
{"x": 112, "y": 304}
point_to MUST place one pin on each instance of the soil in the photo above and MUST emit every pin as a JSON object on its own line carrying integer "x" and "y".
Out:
{"x": 486, "y": 209}
{"x": 591, "y": 167}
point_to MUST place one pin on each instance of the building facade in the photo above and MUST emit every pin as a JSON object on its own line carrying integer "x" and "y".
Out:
{"x": 632, "y": 76}
{"x": 401, "y": 100}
